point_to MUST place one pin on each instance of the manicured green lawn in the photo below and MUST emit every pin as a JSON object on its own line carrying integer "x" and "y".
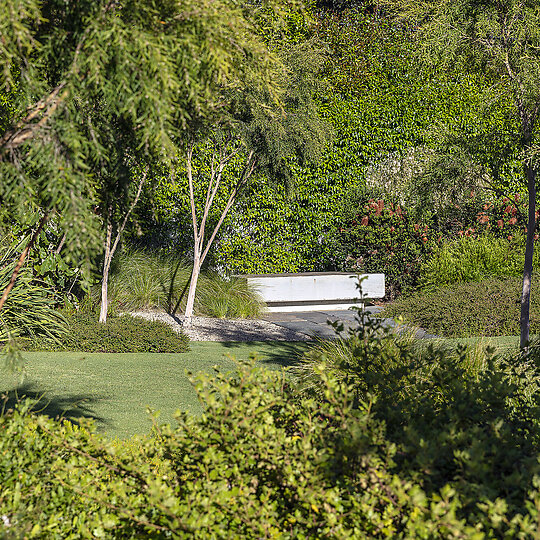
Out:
{"x": 115, "y": 389}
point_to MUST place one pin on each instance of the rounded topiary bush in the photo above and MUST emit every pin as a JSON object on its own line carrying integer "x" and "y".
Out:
{"x": 486, "y": 308}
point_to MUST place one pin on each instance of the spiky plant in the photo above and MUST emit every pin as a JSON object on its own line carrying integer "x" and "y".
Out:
{"x": 142, "y": 280}
{"x": 30, "y": 309}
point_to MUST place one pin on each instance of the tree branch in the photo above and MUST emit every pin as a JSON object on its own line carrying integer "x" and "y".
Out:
{"x": 249, "y": 167}
{"x": 191, "y": 193}
{"x": 128, "y": 213}
{"x": 25, "y": 128}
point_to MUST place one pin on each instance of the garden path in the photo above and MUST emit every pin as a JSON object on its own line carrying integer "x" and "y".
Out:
{"x": 299, "y": 326}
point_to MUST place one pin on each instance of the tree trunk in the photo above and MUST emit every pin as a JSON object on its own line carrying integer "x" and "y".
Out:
{"x": 527, "y": 269}
{"x": 110, "y": 248}
{"x": 105, "y": 278}
{"x": 192, "y": 288}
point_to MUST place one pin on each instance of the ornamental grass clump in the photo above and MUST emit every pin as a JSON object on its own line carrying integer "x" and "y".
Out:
{"x": 31, "y": 307}
{"x": 474, "y": 259}
{"x": 142, "y": 280}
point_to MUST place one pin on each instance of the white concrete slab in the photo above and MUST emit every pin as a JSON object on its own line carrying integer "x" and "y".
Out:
{"x": 315, "y": 291}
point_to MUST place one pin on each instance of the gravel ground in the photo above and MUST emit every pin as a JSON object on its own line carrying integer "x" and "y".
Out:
{"x": 210, "y": 329}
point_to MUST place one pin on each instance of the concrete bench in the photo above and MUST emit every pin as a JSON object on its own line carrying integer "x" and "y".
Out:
{"x": 315, "y": 291}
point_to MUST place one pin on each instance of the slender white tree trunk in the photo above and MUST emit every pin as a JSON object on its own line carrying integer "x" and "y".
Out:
{"x": 200, "y": 251}
{"x": 192, "y": 288}
{"x": 111, "y": 249}
{"x": 528, "y": 266}
{"x": 105, "y": 276}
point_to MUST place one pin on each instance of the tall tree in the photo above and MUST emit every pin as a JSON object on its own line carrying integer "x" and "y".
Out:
{"x": 261, "y": 133}
{"x": 502, "y": 39}
{"x": 155, "y": 65}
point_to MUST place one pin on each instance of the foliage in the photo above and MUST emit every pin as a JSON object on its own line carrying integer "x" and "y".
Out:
{"x": 120, "y": 334}
{"x": 463, "y": 424}
{"x": 474, "y": 259}
{"x": 378, "y": 236}
{"x": 30, "y": 310}
{"x": 501, "y": 40}
{"x": 377, "y": 108}
{"x": 273, "y": 230}
{"x": 61, "y": 65}
{"x": 485, "y": 308}
{"x": 454, "y": 458}
{"x": 406, "y": 242}
{"x": 229, "y": 298}
{"x": 142, "y": 280}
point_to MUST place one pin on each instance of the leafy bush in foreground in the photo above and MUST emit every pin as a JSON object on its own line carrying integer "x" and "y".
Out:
{"x": 403, "y": 449}
{"x": 485, "y": 308}
{"x": 473, "y": 427}
{"x": 120, "y": 334}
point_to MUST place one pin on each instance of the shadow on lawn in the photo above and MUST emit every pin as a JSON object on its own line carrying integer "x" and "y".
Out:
{"x": 276, "y": 353}
{"x": 74, "y": 407}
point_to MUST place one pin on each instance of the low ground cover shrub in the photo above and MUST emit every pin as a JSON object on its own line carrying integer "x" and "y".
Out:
{"x": 120, "y": 334}
{"x": 486, "y": 308}
{"x": 142, "y": 280}
{"x": 474, "y": 259}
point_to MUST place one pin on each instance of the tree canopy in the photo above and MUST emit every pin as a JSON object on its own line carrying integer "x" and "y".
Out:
{"x": 501, "y": 39}
{"x": 154, "y": 66}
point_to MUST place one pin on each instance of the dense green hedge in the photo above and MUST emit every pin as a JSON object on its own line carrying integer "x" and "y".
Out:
{"x": 120, "y": 334}
{"x": 483, "y": 308}
{"x": 399, "y": 448}
{"x": 379, "y": 236}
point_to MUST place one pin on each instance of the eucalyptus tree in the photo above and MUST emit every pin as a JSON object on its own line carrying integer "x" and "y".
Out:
{"x": 153, "y": 65}
{"x": 256, "y": 131}
{"x": 502, "y": 39}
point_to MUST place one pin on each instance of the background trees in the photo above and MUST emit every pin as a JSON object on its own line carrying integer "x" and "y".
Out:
{"x": 383, "y": 112}
{"x": 74, "y": 147}
{"x": 151, "y": 68}
{"x": 501, "y": 39}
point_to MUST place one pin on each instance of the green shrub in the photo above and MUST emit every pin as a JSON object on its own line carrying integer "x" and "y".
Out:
{"x": 474, "y": 259}
{"x": 379, "y": 236}
{"x": 119, "y": 334}
{"x": 469, "y": 427}
{"x": 451, "y": 461}
{"x": 142, "y": 280}
{"x": 487, "y": 308}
